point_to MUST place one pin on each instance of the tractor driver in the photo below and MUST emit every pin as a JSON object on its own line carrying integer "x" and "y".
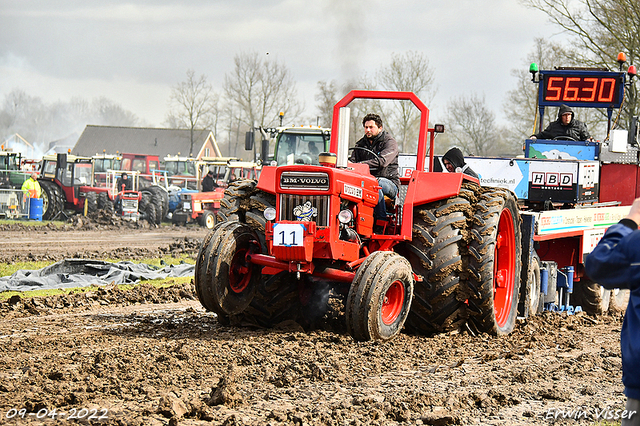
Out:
{"x": 385, "y": 165}
{"x": 123, "y": 183}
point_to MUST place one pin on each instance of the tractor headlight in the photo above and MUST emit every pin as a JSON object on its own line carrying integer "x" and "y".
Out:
{"x": 269, "y": 213}
{"x": 345, "y": 216}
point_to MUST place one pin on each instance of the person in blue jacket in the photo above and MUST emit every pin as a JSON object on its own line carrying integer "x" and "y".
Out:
{"x": 615, "y": 263}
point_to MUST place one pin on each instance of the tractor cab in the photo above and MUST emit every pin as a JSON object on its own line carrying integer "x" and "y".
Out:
{"x": 290, "y": 145}
{"x": 102, "y": 163}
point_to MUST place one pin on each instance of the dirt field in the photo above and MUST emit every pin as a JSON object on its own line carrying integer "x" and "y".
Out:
{"x": 155, "y": 357}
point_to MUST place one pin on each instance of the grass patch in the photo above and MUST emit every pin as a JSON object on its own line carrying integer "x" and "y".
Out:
{"x": 57, "y": 223}
{"x": 6, "y": 270}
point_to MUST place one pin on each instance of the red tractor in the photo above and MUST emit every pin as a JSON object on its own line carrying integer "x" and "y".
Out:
{"x": 447, "y": 255}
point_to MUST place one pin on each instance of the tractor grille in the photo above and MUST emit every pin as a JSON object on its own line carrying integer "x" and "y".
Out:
{"x": 321, "y": 202}
{"x": 130, "y": 205}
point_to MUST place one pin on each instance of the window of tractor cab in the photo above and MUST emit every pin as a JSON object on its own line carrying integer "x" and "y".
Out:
{"x": 153, "y": 165}
{"x": 82, "y": 174}
{"x": 139, "y": 165}
{"x": 50, "y": 167}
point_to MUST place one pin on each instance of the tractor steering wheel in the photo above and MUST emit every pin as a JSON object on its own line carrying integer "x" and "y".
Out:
{"x": 304, "y": 158}
{"x": 376, "y": 156}
{"x": 564, "y": 138}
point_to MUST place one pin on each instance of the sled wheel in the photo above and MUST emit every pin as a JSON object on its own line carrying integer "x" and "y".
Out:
{"x": 597, "y": 300}
{"x": 380, "y": 297}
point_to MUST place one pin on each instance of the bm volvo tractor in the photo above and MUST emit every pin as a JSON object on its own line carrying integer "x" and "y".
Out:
{"x": 446, "y": 256}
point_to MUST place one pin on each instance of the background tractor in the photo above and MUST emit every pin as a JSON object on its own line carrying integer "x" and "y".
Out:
{"x": 202, "y": 207}
{"x": 68, "y": 184}
{"x": 447, "y": 254}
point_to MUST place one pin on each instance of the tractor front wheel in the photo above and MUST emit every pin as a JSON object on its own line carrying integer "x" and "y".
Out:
{"x": 208, "y": 219}
{"x": 225, "y": 280}
{"x": 380, "y": 297}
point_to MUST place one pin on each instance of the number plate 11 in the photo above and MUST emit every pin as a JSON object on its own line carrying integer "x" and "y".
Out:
{"x": 288, "y": 234}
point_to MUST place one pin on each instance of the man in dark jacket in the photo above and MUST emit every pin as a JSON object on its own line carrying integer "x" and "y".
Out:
{"x": 453, "y": 160}
{"x": 565, "y": 127}
{"x": 208, "y": 183}
{"x": 383, "y": 164}
{"x": 615, "y": 263}
{"x": 123, "y": 183}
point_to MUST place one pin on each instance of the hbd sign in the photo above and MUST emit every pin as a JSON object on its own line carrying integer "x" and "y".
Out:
{"x": 540, "y": 179}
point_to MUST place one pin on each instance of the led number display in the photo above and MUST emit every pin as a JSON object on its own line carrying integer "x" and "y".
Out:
{"x": 582, "y": 89}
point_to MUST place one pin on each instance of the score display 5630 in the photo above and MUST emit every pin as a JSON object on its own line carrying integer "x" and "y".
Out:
{"x": 581, "y": 89}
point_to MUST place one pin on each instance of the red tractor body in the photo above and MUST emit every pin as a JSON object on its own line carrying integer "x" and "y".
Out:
{"x": 303, "y": 227}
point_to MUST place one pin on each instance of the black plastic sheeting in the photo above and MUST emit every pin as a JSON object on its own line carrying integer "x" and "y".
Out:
{"x": 71, "y": 273}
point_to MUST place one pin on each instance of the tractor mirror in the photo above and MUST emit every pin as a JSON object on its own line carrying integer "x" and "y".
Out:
{"x": 248, "y": 141}
{"x": 438, "y": 128}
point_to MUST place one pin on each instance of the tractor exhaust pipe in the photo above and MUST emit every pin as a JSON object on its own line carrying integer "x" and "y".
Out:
{"x": 343, "y": 137}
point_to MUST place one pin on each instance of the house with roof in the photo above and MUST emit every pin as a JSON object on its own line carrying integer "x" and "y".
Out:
{"x": 144, "y": 140}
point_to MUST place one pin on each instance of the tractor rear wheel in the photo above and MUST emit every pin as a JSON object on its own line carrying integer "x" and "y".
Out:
{"x": 380, "y": 296}
{"x": 162, "y": 200}
{"x": 92, "y": 202}
{"x": 151, "y": 214}
{"x": 435, "y": 254}
{"x": 494, "y": 264}
{"x": 276, "y": 299}
{"x": 231, "y": 204}
{"x": 105, "y": 203}
{"x": 228, "y": 281}
{"x": 52, "y": 200}
{"x": 254, "y": 216}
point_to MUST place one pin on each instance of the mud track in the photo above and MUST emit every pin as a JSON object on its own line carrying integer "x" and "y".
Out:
{"x": 154, "y": 357}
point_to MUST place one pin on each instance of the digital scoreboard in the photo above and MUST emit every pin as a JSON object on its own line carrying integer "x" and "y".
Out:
{"x": 595, "y": 89}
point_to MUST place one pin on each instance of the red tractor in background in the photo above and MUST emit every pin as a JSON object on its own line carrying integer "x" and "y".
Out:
{"x": 448, "y": 253}
{"x": 68, "y": 183}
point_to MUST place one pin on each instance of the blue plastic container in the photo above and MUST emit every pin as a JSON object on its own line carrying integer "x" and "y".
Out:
{"x": 35, "y": 209}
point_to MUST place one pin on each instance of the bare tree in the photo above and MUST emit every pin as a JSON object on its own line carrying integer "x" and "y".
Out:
{"x": 193, "y": 105}
{"x": 599, "y": 29}
{"x": 521, "y": 104}
{"x": 326, "y": 98}
{"x": 472, "y": 127}
{"x": 260, "y": 89}
{"x": 109, "y": 113}
{"x": 407, "y": 72}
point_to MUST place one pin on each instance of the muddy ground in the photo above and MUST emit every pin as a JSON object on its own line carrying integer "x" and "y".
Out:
{"x": 156, "y": 357}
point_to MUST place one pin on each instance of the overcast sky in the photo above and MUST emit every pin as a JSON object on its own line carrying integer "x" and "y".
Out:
{"x": 134, "y": 52}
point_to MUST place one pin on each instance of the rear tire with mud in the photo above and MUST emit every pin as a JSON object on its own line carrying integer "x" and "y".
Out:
{"x": 231, "y": 205}
{"x": 494, "y": 264}
{"x": 597, "y": 300}
{"x": 105, "y": 203}
{"x": 435, "y": 253}
{"x": 52, "y": 200}
{"x": 379, "y": 299}
{"x": 277, "y": 299}
{"x": 92, "y": 202}
{"x": 162, "y": 200}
